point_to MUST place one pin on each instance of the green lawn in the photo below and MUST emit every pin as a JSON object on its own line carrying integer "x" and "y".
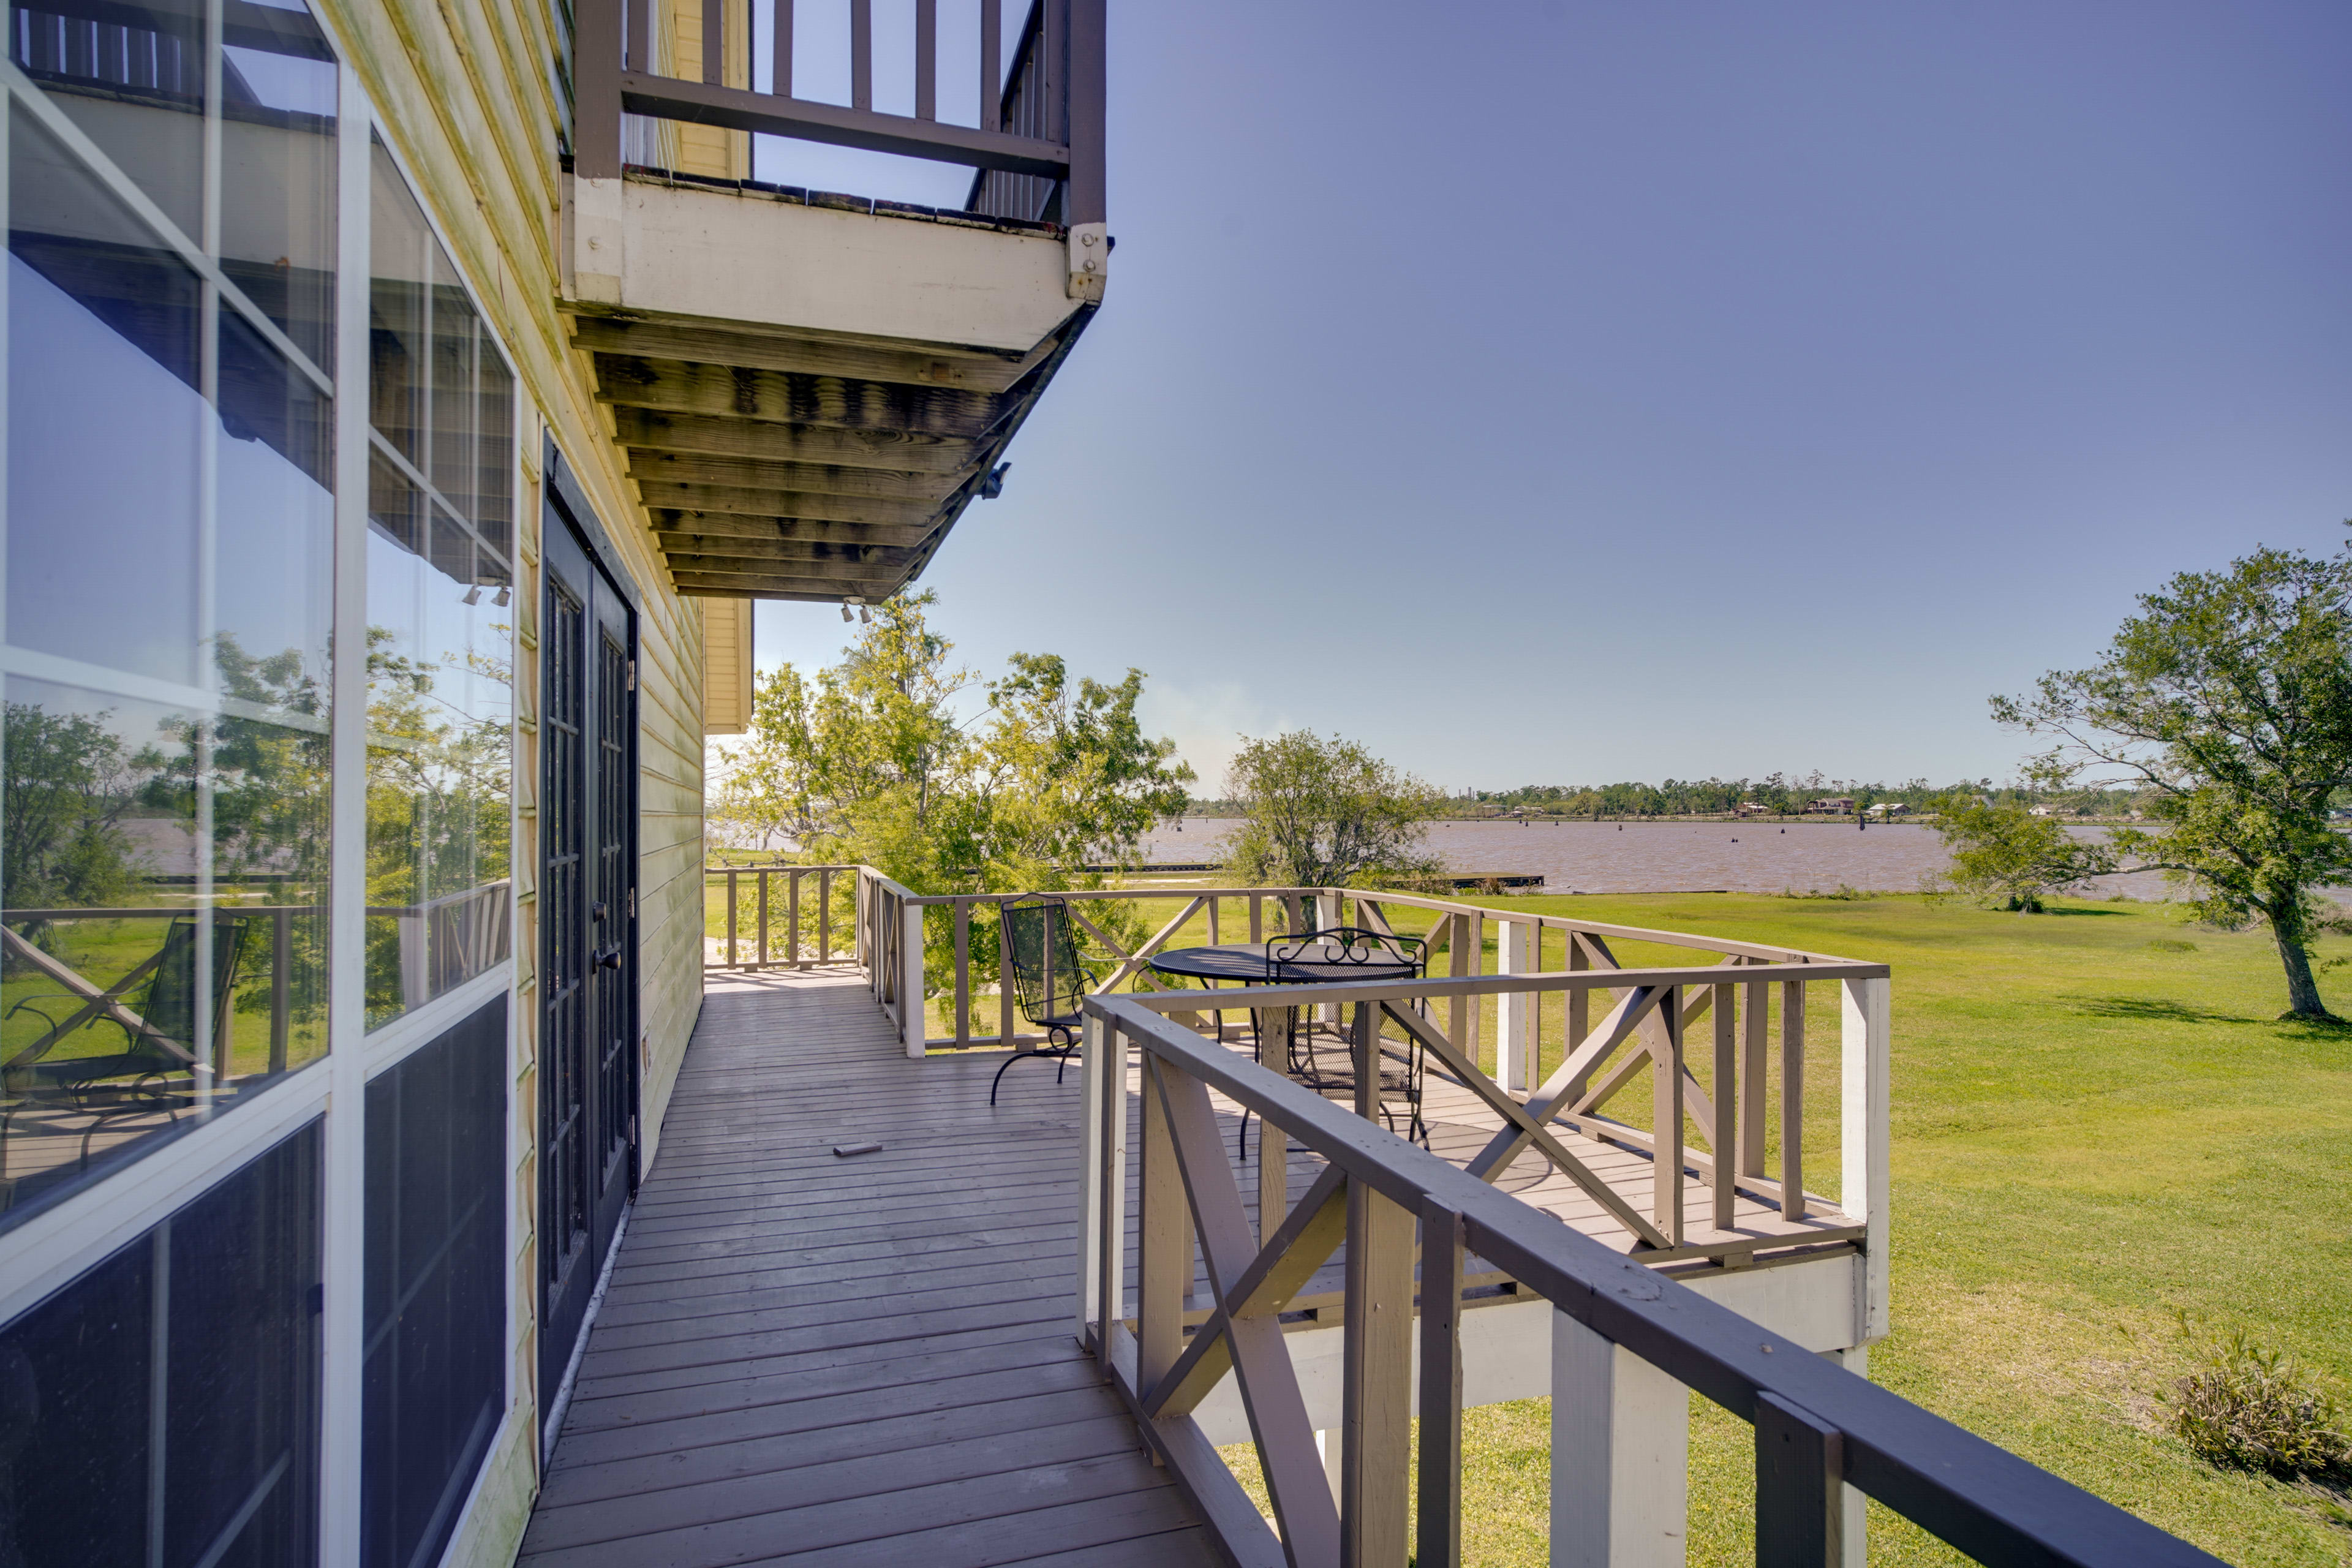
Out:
{"x": 2094, "y": 1130}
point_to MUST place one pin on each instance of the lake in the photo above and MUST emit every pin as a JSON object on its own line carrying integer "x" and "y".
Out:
{"x": 1679, "y": 857}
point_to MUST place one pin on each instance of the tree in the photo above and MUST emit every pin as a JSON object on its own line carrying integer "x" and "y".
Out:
{"x": 2228, "y": 699}
{"x": 883, "y": 760}
{"x": 2006, "y": 855}
{"x": 68, "y": 784}
{"x": 1322, "y": 813}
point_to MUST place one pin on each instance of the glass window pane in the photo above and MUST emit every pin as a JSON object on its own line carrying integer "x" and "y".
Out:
{"x": 130, "y": 1017}
{"x": 102, "y": 344}
{"x": 192, "y": 1357}
{"x": 454, "y": 342}
{"x": 439, "y": 706}
{"x": 400, "y": 250}
{"x": 434, "y": 1384}
{"x": 494, "y": 459}
{"x": 164, "y": 760}
{"x": 132, "y": 77}
{"x": 440, "y": 624}
{"x": 278, "y": 174}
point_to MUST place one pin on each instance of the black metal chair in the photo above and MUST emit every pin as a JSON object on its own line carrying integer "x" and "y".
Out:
{"x": 1325, "y": 1060}
{"x": 1051, "y": 978}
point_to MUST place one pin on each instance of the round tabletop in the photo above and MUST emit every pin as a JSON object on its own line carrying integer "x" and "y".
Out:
{"x": 1247, "y": 962}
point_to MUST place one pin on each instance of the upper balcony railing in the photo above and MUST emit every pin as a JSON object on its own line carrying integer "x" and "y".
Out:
{"x": 1038, "y": 153}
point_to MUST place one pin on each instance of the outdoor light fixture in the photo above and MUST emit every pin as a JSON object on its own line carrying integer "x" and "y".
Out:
{"x": 845, "y": 609}
{"x": 501, "y": 596}
{"x": 864, "y": 619}
{"x": 473, "y": 593}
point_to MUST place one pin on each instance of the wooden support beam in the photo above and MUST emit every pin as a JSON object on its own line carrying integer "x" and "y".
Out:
{"x": 817, "y": 588}
{"x": 1376, "y": 1399}
{"x": 733, "y": 500}
{"x": 759, "y": 439}
{"x": 1439, "y": 1536}
{"x": 837, "y": 570}
{"x": 911, "y": 364}
{"x": 809, "y": 530}
{"x": 789, "y": 397}
{"x": 691, "y": 552}
{"x": 651, "y": 467}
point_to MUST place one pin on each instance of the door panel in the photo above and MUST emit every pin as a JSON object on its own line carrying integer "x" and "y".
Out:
{"x": 588, "y": 976}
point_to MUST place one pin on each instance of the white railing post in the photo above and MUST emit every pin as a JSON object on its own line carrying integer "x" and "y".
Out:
{"x": 1862, "y": 1187}
{"x": 914, "y": 1010}
{"x": 1511, "y": 1033}
{"x": 1110, "y": 1191}
{"x": 1090, "y": 1171}
{"x": 1620, "y": 1455}
{"x": 1862, "y": 1127}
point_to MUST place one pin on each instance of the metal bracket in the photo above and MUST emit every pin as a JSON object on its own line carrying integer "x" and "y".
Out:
{"x": 1089, "y": 246}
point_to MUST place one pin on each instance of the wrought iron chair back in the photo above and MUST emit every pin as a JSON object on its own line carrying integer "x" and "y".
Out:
{"x": 1324, "y": 1058}
{"x": 1051, "y": 976}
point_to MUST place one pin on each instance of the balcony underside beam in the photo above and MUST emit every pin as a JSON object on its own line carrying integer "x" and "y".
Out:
{"x": 777, "y": 541}
{"x": 654, "y": 469}
{"x": 713, "y": 436}
{"x": 691, "y": 507}
{"x": 743, "y": 392}
{"x": 962, "y": 369}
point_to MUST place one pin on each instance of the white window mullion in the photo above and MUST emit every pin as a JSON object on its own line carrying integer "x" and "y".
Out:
{"x": 346, "y": 1157}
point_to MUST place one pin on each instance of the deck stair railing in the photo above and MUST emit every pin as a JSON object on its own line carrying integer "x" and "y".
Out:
{"x": 1038, "y": 153}
{"x": 1408, "y": 1221}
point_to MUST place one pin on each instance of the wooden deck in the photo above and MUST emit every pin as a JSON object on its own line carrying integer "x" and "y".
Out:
{"x": 871, "y": 1360}
{"x": 850, "y": 1361}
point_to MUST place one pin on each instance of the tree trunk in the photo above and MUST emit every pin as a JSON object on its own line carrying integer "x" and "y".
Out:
{"x": 2302, "y": 989}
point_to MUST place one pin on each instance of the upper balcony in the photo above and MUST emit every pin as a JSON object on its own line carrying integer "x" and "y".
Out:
{"x": 809, "y": 388}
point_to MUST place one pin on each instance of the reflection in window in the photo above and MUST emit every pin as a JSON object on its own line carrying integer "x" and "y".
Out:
{"x": 440, "y": 619}
{"x": 169, "y": 557}
{"x": 164, "y": 1407}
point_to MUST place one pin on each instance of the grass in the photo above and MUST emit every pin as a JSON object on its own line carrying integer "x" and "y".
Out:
{"x": 2099, "y": 1124}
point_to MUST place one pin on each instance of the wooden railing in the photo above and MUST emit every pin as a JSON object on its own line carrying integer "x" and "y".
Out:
{"x": 787, "y": 910}
{"x": 1820, "y": 1430}
{"x": 1039, "y": 152}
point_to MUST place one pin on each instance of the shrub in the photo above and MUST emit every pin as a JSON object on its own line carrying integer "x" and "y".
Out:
{"x": 2250, "y": 1408}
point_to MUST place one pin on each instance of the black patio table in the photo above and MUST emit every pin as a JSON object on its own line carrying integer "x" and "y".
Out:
{"x": 1253, "y": 963}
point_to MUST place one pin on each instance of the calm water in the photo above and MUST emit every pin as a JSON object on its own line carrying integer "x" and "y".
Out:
{"x": 1670, "y": 856}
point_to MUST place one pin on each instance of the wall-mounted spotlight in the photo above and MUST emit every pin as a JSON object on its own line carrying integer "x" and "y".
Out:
{"x": 864, "y": 619}
{"x": 845, "y": 609}
{"x": 994, "y": 485}
{"x": 502, "y": 596}
{"x": 473, "y": 594}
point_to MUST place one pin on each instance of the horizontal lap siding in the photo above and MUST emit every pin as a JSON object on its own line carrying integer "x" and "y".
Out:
{"x": 467, "y": 99}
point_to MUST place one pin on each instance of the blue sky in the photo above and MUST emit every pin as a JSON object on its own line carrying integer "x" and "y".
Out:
{"x": 1564, "y": 393}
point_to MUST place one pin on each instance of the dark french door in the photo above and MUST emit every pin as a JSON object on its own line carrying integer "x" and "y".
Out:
{"x": 588, "y": 958}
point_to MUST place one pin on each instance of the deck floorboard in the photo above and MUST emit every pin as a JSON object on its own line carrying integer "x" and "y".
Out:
{"x": 834, "y": 1362}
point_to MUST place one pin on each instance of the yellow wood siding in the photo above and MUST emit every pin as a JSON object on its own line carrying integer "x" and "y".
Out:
{"x": 466, "y": 101}
{"x": 726, "y": 666}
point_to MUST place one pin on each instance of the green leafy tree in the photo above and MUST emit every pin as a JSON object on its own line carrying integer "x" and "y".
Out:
{"x": 1321, "y": 813}
{"x": 68, "y": 783}
{"x": 2228, "y": 699}
{"x": 2006, "y": 855}
{"x": 883, "y": 760}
